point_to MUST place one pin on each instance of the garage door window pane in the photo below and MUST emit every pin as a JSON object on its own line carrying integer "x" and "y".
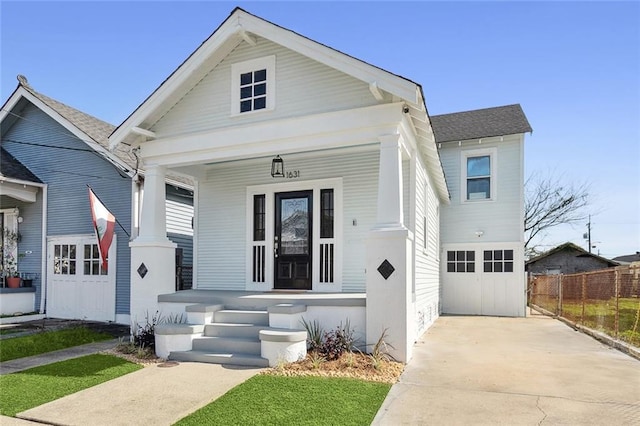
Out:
{"x": 461, "y": 261}
{"x": 92, "y": 261}
{"x": 498, "y": 261}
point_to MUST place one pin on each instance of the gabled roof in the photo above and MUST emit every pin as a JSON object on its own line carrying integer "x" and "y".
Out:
{"x": 571, "y": 246}
{"x": 480, "y": 123}
{"x": 13, "y": 169}
{"x": 242, "y": 26}
{"x": 94, "y": 132}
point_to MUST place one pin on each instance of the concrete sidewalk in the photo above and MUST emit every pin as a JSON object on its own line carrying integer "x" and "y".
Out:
{"x": 154, "y": 395}
{"x": 20, "y": 364}
{"x": 158, "y": 394}
{"x": 515, "y": 371}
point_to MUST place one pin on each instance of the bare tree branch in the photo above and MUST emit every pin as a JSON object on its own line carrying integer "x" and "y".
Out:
{"x": 549, "y": 203}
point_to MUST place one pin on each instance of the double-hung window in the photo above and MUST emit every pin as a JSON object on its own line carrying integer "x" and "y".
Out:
{"x": 479, "y": 175}
{"x": 253, "y": 85}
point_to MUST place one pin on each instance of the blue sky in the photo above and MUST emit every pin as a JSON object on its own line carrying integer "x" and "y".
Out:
{"x": 573, "y": 66}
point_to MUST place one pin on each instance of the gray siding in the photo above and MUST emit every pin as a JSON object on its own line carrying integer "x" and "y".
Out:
{"x": 567, "y": 261}
{"x": 303, "y": 86}
{"x": 67, "y": 173}
{"x": 31, "y": 241}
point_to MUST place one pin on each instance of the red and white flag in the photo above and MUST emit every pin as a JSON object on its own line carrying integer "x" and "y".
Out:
{"x": 104, "y": 224}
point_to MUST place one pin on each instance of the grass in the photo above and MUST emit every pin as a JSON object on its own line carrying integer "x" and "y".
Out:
{"x": 265, "y": 399}
{"x": 4, "y": 331}
{"x": 600, "y": 315}
{"x": 38, "y": 343}
{"x": 36, "y": 386}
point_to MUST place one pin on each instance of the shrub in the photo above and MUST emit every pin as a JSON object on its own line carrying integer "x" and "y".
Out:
{"x": 314, "y": 334}
{"x": 144, "y": 335}
{"x": 338, "y": 341}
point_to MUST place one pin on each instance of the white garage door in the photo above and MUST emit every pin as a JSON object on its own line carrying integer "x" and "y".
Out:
{"x": 486, "y": 280}
{"x": 77, "y": 287}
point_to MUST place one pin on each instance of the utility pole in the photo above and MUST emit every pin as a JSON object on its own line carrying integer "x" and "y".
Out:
{"x": 588, "y": 234}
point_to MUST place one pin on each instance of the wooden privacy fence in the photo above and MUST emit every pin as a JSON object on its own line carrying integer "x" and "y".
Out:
{"x": 607, "y": 300}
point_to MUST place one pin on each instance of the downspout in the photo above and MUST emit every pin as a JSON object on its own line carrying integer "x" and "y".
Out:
{"x": 43, "y": 273}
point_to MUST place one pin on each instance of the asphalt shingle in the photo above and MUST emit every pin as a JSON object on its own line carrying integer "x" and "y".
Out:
{"x": 12, "y": 168}
{"x": 480, "y": 123}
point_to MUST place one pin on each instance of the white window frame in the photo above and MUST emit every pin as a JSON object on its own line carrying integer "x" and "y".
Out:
{"x": 492, "y": 153}
{"x": 268, "y": 63}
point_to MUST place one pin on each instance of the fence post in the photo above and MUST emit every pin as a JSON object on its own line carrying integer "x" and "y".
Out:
{"x": 559, "y": 312}
{"x": 617, "y": 290}
{"x": 584, "y": 297}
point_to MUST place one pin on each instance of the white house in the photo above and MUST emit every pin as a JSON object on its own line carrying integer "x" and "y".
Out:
{"x": 349, "y": 229}
{"x": 482, "y": 228}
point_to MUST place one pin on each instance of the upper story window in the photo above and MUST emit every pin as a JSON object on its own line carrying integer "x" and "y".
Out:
{"x": 479, "y": 175}
{"x": 253, "y": 85}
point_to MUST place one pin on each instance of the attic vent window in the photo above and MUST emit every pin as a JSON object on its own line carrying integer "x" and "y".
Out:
{"x": 253, "y": 86}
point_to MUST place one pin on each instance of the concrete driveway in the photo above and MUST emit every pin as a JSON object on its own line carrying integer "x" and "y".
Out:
{"x": 513, "y": 371}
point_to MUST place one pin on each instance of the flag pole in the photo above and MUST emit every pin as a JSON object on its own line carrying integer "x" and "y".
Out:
{"x": 114, "y": 216}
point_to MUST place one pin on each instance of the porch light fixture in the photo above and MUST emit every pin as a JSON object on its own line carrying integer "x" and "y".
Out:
{"x": 277, "y": 167}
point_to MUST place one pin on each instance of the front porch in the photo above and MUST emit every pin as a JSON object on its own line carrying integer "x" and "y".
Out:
{"x": 250, "y": 328}
{"x": 262, "y": 300}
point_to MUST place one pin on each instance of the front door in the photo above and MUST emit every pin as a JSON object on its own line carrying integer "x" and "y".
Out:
{"x": 292, "y": 245}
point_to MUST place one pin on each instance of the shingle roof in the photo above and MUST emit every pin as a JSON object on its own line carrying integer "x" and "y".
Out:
{"x": 12, "y": 168}
{"x": 571, "y": 246}
{"x": 628, "y": 258}
{"x": 480, "y": 123}
{"x": 95, "y": 128}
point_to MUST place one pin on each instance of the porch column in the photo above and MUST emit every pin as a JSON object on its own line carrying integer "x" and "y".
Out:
{"x": 390, "y": 184}
{"x": 152, "y": 253}
{"x": 153, "y": 220}
{"x": 389, "y": 260}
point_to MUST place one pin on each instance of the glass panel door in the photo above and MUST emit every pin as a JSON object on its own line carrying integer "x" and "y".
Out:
{"x": 292, "y": 245}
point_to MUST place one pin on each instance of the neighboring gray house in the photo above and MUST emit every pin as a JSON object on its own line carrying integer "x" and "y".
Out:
{"x": 567, "y": 258}
{"x": 50, "y": 154}
{"x": 627, "y": 259}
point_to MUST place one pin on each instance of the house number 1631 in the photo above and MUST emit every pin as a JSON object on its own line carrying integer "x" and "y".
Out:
{"x": 293, "y": 174}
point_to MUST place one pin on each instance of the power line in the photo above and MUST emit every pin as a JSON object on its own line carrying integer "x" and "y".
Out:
{"x": 50, "y": 146}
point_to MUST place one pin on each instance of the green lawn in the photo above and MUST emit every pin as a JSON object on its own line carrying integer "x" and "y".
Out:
{"x": 600, "y": 315}
{"x": 38, "y": 343}
{"x": 278, "y": 400}
{"x": 36, "y": 386}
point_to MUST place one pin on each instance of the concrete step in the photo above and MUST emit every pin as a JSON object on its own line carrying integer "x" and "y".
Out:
{"x": 218, "y": 329}
{"x": 242, "y": 316}
{"x": 248, "y": 360}
{"x": 227, "y": 344}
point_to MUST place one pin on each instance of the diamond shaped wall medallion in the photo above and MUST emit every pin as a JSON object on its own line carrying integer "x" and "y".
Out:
{"x": 142, "y": 270}
{"x": 386, "y": 269}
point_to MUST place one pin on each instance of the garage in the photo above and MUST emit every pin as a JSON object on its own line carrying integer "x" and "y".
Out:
{"x": 483, "y": 279}
{"x": 77, "y": 287}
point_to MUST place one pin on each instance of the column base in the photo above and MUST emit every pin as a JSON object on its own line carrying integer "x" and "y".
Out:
{"x": 153, "y": 272}
{"x": 389, "y": 305}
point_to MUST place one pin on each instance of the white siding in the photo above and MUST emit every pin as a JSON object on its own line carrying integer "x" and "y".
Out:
{"x": 303, "y": 86}
{"x": 500, "y": 220}
{"x": 222, "y": 213}
{"x": 427, "y": 274}
{"x": 179, "y": 218}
